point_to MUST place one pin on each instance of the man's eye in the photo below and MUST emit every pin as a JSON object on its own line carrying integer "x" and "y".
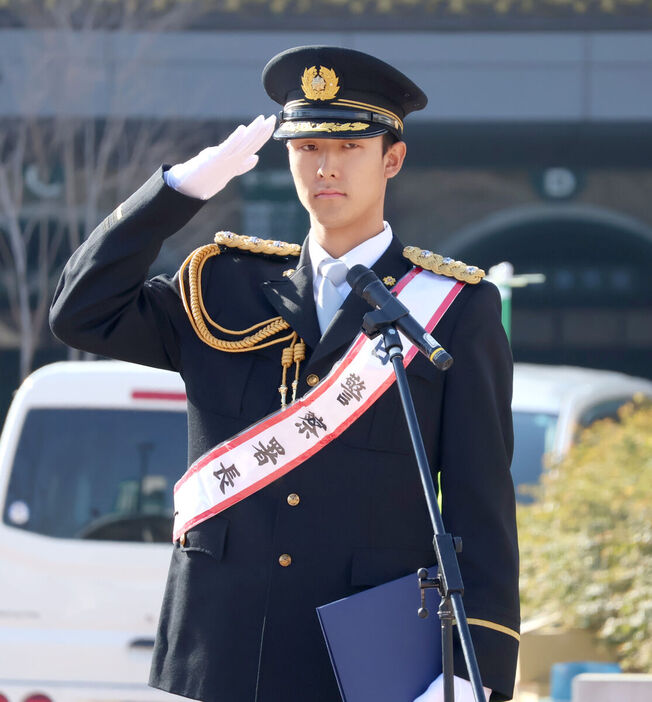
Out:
{"x": 351, "y": 145}
{"x": 308, "y": 147}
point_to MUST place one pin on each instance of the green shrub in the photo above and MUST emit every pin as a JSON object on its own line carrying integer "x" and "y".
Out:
{"x": 586, "y": 541}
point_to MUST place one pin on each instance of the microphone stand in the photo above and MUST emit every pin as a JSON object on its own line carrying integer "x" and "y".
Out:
{"x": 449, "y": 579}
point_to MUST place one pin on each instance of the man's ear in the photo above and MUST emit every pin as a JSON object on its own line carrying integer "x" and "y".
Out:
{"x": 393, "y": 158}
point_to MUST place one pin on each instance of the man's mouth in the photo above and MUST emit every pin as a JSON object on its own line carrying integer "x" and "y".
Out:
{"x": 327, "y": 194}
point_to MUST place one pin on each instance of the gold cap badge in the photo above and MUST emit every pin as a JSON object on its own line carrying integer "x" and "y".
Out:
{"x": 322, "y": 84}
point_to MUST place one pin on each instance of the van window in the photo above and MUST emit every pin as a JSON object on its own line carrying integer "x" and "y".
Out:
{"x": 603, "y": 410}
{"x": 97, "y": 474}
{"x": 534, "y": 434}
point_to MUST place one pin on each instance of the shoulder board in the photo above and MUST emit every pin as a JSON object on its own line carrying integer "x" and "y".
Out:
{"x": 443, "y": 265}
{"x": 254, "y": 244}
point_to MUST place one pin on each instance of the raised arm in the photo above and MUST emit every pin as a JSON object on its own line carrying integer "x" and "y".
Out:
{"x": 103, "y": 302}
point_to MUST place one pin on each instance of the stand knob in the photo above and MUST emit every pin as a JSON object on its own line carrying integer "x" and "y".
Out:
{"x": 424, "y": 583}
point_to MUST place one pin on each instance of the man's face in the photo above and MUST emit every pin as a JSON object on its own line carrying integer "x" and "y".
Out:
{"x": 341, "y": 182}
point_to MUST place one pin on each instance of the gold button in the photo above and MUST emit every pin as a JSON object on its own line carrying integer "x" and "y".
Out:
{"x": 293, "y": 499}
{"x": 312, "y": 379}
{"x": 182, "y": 539}
{"x": 285, "y": 559}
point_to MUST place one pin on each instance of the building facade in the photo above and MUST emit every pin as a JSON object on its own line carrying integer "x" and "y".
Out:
{"x": 535, "y": 148}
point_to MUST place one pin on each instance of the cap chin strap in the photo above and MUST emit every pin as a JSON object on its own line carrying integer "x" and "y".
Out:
{"x": 321, "y": 114}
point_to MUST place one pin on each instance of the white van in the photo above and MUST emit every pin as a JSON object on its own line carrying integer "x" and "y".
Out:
{"x": 551, "y": 404}
{"x": 89, "y": 455}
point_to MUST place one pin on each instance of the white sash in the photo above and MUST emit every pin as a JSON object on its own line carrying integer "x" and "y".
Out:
{"x": 276, "y": 444}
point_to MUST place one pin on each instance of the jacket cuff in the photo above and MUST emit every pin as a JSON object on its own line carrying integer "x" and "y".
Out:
{"x": 496, "y": 649}
{"x": 156, "y": 203}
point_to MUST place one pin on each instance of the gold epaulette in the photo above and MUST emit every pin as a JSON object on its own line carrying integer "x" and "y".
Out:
{"x": 255, "y": 244}
{"x": 443, "y": 265}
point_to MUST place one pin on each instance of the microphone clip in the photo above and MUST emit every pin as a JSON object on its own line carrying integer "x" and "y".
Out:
{"x": 383, "y": 321}
{"x": 376, "y": 321}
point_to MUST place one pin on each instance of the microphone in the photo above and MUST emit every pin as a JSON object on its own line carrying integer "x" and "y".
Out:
{"x": 367, "y": 285}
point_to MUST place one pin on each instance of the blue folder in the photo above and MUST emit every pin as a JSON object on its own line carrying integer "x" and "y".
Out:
{"x": 380, "y": 649}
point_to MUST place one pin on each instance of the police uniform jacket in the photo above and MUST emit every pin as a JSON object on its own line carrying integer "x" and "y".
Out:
{"x": 236, "y": 625}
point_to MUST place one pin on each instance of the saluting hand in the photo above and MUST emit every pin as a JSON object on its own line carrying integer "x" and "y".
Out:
{"x": 211, "y": 169}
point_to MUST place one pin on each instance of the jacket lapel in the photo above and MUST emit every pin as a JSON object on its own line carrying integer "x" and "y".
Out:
{"x": 293, "y": 299}
{"x": 347, "y": 321}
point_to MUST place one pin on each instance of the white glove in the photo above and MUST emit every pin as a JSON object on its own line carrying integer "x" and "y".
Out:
{"x": 211, "y": 169}
{"x": 463, "y": 691}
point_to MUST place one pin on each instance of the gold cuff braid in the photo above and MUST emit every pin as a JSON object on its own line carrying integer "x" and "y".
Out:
{"x": 493, "y": 625}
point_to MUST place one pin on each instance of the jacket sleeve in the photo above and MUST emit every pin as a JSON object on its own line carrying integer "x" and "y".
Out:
{"x": 103, "y": 303}
{"x": 478, "y": 501}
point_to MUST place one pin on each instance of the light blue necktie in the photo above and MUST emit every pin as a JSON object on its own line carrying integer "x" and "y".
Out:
{"x": 333, "y": 273}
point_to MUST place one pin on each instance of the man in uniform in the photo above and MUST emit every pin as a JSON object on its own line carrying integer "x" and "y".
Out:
{"x": 246, "y": 318}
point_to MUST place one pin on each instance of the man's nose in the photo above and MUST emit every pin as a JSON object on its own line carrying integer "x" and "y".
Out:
{"x": 327, "y": 166}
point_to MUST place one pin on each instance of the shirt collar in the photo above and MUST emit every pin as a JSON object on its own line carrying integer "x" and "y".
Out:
{"x": 366, "y": 253}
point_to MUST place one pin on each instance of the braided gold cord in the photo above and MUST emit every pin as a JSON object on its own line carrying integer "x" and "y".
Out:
{"x": 209, "y": 319}
{"x": 287, "y": 358}
{"x": 194, "y": 309}
{"x": 298, "y": 356}
{"x": 299, "y": 351}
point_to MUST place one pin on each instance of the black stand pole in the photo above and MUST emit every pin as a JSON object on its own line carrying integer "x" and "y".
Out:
{"x": 449, "y": 579}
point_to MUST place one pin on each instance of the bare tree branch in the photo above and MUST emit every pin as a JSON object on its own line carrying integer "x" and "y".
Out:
{"x": 95, "y": 161}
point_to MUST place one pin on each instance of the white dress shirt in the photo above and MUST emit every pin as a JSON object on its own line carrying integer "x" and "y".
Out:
{"x": 366, "y": 254}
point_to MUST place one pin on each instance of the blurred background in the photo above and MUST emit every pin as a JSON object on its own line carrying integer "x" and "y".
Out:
{"x": 535, "y": 148}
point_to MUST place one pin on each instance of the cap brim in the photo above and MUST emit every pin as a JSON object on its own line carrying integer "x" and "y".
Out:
{"x": 331, "y": 129}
